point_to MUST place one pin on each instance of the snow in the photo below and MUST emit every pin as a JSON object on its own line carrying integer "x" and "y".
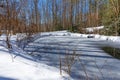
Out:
{"x": 25, "y": 68}
{"x": 48, "y": 47}
{"x": 91, "y": 29}
{"x": 90, "y": 58}
{"x": 108, "y": 38}
{"x": 111, "y": 38}
{"x": 97, "y": 36}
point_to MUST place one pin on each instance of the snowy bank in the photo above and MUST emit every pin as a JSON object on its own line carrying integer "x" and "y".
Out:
{"x": 92, "y": 29}
{"x": 17, "y": 65}
{"x": 96, "y": 36}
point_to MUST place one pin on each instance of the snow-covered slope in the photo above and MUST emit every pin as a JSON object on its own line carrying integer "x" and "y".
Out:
{"x": 48, "y": 47}
{"x": 24, "y": 68}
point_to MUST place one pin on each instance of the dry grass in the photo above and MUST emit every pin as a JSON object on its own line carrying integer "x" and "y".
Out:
{"x": 115, "y": 52}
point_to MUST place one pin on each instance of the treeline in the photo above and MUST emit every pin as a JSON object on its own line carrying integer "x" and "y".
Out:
{"x": 111, "y": 17}
{"x": 32, "y": 16}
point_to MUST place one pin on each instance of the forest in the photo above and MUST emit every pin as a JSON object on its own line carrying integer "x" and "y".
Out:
{"x": 59, "y": 39}
{"x": 32, "y": 16}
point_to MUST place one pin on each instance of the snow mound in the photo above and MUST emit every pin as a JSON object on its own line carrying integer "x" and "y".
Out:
{"x": 91, "y": 29}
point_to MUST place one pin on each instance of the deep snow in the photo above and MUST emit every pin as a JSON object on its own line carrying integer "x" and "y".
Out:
{"x": 47, "y": 49}
{"x": 91, "y": 62}
{"x": 16, "y": 65}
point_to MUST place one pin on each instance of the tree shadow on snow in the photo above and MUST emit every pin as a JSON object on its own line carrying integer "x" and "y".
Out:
{"x": 6, "y": 78}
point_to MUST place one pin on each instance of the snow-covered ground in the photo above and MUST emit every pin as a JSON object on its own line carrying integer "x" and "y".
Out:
{"x": 92, "y": 29}
{"x": 100, "y": 37}
{"x": 91, "y": 63}
{"x": 16, "y": 65}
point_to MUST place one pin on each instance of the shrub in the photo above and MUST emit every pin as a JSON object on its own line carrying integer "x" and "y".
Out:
{"x": 115, "y": 52}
